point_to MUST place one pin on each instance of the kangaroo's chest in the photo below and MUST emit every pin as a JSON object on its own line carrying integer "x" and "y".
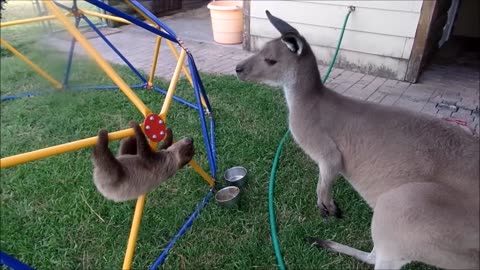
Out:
{"x": 311, "y": 138}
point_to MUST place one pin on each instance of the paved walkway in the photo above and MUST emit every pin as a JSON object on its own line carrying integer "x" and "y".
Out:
{"x": 443, "y": 91}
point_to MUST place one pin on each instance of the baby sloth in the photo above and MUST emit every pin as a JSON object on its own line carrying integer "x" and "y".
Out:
{"x": 137, "y": 169}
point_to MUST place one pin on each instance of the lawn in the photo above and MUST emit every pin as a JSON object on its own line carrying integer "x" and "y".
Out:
{"x": 53, "y": 218}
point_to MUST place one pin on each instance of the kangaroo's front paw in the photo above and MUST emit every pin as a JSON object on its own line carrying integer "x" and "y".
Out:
{"x": 329, "y": 209}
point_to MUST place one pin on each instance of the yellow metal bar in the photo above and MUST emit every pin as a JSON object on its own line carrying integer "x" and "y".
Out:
{"x": 155, "y": 59}
{"x": 60, "y": 149}
{"x": 132, "y": 239}
{"x": 104, "y": 16}
{"x": 185, "y": 70}
{"x": 172, "y": 86}
{"x": 98, "y": 58}
{"x": 202, "y": 173}
{"x": 30, "y": 20}
{"x": 27, "y": 61}
{"x": 137, "y": 218}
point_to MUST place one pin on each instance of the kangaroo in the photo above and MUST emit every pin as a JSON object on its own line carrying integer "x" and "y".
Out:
{"x": 137, "y": 169}
{"x": 420, "y": 175}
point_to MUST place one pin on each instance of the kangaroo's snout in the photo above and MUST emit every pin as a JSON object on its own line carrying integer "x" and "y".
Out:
{"x": 239, "y": 68}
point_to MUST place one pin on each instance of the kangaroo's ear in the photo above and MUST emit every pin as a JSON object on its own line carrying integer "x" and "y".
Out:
{"x": 282, "y": 26}
{"x": 293, "y": 42}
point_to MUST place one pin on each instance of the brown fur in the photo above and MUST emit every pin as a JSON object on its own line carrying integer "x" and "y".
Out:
{"x": 419, "y": 174}
{"x": 137, "y": 169}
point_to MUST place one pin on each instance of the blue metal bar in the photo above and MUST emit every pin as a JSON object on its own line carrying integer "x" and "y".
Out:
{"x": 198, "y": 87}
{"x": 12, "y": 97}
{"x": 194, "y": 69}
{"x": 184, "y": 102}
{"x": 203, "y": 123}
{"x": 153, "y": 17}
{"x": 204, "y": 94}
{"x": 138, "y": 86}
{"x": 70, "y": 55}
{"x": 182, "y": 231}
{"x": 131, "y": 19}
{"x": 108, "y": 87}
{"x": 212, "y": 163}
{"x": 75, "y": 88}
{"x": 13, "y": 263}
{"x": 100, "y": 34}
{"x": 212, "y": 139}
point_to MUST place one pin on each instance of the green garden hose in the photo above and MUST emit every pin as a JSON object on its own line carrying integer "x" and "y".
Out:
{"x": 271, "y": 209}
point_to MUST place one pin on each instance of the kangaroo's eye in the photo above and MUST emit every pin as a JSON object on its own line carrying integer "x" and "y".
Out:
{"x": 270, "y": 62}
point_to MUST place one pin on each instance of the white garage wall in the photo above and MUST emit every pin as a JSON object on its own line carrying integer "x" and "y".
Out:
{"x": 378, "y": 38}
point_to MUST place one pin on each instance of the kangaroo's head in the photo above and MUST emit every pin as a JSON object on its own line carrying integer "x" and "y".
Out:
{"x": 280, "y": 60}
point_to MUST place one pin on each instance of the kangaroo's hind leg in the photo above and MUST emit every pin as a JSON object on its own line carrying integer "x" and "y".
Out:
{"x": 425, "y": 222}
{"x": 343, "y": 249}
{"x": 104, "y": 160}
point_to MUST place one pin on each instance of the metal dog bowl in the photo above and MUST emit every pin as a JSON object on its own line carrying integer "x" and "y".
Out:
{"x": 236, "y": 176}
{"x": 228, "y": 196}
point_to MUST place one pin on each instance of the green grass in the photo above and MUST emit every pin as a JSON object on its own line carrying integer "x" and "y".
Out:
{"x": 53, "y": 218}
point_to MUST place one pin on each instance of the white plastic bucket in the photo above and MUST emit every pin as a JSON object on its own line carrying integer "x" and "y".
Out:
{"x": 227, "y": 21}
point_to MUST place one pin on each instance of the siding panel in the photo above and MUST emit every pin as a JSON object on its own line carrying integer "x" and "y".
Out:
{"x": 408, "y": 6}
{"x": 378, "y": 38}
{"x": 387, "y": 22}
{"x": 378, "y": 44}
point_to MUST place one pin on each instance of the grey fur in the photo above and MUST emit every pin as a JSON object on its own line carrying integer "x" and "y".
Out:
{"x": 418, "y": 173}
{"x": 137, "y": 169}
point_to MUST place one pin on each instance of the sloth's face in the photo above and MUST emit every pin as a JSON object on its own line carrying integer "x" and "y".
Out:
{"x": 184, "y": 151}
